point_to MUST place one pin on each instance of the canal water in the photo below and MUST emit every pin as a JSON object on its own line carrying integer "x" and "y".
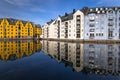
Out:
{"x": 52, "y": 60}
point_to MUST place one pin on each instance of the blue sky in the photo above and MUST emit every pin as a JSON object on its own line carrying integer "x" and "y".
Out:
{"x": 41, "y": 11}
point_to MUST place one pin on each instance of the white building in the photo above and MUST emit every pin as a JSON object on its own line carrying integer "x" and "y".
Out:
{"x": 88, "y": 23}
{"x": 69, "y": 26}
{"x": 102, "y": 23}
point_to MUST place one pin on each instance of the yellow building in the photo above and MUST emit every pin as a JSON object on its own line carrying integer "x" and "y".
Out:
{"x": 15, "y": 29}
{"x": 18, "y": 49}
{"x": 37, "y": 31}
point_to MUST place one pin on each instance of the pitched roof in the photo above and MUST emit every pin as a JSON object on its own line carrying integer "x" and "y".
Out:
{"x": 24, "y": 22}
{"x": 11, "y": 20}
{"x": 67, "y": 17}
{"x": 50, "y": 22}
{"x": 98, "y": 10}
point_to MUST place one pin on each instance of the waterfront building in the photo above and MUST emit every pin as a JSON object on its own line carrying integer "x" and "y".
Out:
{"x": 69, "y": 26}
{"x": 100, "y": 23}
{"x": 13, "y": 29}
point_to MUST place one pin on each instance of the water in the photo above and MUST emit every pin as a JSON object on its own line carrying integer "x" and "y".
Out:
{"x": 51, "y": 60}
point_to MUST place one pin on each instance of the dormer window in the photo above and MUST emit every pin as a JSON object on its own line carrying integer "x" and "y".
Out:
{"x": 101, "y": 8}
{"x": 106, "y": 8}
{"x": 91, "y": 9}
{"x": 116, "y": 8}
{"x": 96, "y": 9}
{"x": 110, "y": 11}
{"x": 103, "y": 11}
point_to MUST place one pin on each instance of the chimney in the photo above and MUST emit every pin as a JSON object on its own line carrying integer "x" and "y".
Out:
{"x": 66, "y": 14}
{"x": 74, "y": 10}
{"x": 59, "y": 15}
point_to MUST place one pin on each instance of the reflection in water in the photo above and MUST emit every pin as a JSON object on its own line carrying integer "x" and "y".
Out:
{"x": 12, "y": 50}
{"x": 89, "y": 58}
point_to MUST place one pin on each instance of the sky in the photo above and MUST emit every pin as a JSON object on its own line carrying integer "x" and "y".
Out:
{"x": 42, "y": 11}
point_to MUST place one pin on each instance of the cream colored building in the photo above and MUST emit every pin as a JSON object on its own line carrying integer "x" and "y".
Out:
{"x": 69, "y": 26}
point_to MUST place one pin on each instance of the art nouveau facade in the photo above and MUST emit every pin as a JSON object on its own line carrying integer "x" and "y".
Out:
{"x": 88, "y": 23}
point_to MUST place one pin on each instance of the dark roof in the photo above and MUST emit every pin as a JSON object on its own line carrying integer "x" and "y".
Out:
{"x": 38, "y": 25}
{"x": 50, "y": 22}
{"x": 11, "y": 20}
{"x": 67, "y": 17}
{"x": 24, "y": 22}
{"x": 1, "y": 19}
{"x": 101, "y": 10}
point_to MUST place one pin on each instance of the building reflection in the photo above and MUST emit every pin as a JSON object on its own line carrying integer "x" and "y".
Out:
{"x": 89, "y": 58}
{"x": 69, "y": 53}
{"x": 12, "y": 50}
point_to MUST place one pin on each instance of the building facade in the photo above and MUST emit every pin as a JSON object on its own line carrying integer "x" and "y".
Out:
{"x": 13, "y": 28}
{"x": 69, "y": 26}
{"x": 101, "y": 23}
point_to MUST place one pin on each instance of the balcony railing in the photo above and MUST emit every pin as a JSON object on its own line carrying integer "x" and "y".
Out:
{"x": 110, "y": 24}
{"x": 92, "y": 25}
{"x": 92, "y": 19}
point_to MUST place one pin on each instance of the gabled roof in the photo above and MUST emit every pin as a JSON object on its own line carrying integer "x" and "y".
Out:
{"x": 50, "y": 22}
{"x": 67, "y": 17}
{"x": 1, "y": 19}
{"x": 38, "y": 25}
{"x": 24, "y": 22}
{"x": 12, "y": 21}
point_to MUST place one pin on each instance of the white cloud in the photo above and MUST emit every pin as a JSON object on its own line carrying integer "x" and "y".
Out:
{"x": 18, "y": 2}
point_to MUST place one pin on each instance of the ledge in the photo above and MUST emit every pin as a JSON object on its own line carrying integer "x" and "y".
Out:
{"x": 83, "y": 41}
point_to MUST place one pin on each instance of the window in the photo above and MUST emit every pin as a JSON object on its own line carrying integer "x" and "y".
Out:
{"x": 110, "y": 33}
{"x": 92, "y": 25}
{"x": 91, "y": 35}
{"x": 102, "y": 34}
{"x": 96, "y": 34}
{"x": 69, "y": 34}
{"x": 69, "y": 26}
{"x": 87, "y": 34}
{"x": 110, "y": 11}
{"x": 69, "y": 30}
{"x": 92, "y": 30}
{"x": 99, "y": 34}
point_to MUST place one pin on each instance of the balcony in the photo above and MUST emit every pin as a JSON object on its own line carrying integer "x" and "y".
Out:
{"x": 110, "y": 24}
{"x": 92, "y": 25}
{"x": 92, "y": 19}
{"x": 111, "y": 18}
{"x": 78, "y": 18}
{"x": 91, "y": 30}
{"x": 78, "y": 31}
